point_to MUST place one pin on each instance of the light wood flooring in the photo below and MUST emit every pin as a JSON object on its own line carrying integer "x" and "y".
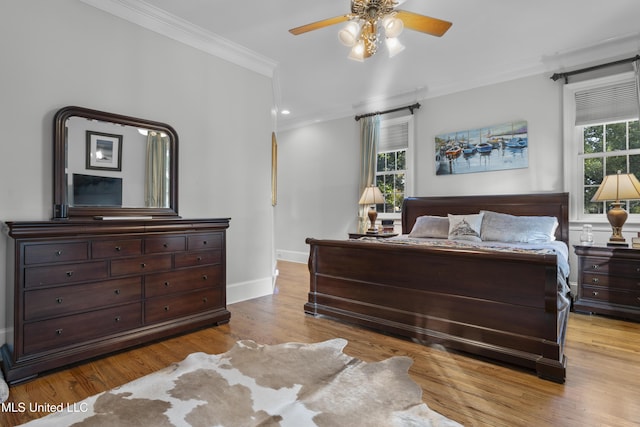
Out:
{"x": 602, "y": 387}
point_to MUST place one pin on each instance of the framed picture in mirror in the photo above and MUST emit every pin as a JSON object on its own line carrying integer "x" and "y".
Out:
{"x": 104, "y": 151}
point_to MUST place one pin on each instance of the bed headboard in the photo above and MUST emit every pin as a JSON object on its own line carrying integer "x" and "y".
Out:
{"x": 542, "y": 204}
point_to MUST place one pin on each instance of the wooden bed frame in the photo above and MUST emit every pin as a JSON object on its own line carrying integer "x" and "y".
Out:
{"x": 499, "y": 305}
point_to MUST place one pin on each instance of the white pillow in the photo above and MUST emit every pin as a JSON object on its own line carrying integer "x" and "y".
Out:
{"x": 520, "y": 229}
{"x": 465, "y": 227}
{"x": 436, "y": 227}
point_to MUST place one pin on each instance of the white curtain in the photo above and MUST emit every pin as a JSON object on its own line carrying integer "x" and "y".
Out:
{"x": 156, "y": 188}
{"x": 369, "y": 137}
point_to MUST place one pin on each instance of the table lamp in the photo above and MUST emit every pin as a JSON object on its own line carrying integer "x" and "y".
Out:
{"x": 621, "y": 186}
{"x": 372, "y": 196}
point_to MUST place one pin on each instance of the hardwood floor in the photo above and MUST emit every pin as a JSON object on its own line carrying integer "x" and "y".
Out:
{"x": 602, "y": 387}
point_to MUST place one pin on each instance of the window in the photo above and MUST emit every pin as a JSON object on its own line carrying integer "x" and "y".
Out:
{"x": 607, "y": 149}
{"x": 394, "y": 160}
{"x": 602, "y": 136}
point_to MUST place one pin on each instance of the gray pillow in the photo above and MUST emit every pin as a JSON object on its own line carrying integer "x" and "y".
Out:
{"x": 519, "y": 229}
{"x": 435, "y": 227}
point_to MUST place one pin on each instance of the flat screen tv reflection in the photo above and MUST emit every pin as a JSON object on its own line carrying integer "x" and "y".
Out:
{"x": 92, "y": 190}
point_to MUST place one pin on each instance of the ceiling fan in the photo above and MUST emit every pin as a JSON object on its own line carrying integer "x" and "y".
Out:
{"x": 368, "y": 19}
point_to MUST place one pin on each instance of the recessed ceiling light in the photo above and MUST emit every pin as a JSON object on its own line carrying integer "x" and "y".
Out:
{"x": 285, "y": 112}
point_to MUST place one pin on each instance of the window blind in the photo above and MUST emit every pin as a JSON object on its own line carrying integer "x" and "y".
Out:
{"x": 393, "y": 137}
{"x": 610, "y": 103}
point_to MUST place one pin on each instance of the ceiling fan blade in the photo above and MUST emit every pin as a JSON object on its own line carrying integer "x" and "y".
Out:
{"x": 422, "y": 23}
{"x": 319, "y": 24}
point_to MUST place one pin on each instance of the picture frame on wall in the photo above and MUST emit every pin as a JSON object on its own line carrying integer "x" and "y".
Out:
{"x": 485, "y": 149}
{"x": 104, "y": 151}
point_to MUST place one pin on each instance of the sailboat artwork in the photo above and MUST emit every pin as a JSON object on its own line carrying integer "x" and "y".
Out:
{"x": 490, "y": 148}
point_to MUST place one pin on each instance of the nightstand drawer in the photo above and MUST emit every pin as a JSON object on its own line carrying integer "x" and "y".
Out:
{"x": 611, "y": 296}
{"x": 611, "y": 282}
{"x": 611, "y": 266}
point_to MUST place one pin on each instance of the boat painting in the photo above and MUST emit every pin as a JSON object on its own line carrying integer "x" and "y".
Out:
{"x": 491, "y": 148}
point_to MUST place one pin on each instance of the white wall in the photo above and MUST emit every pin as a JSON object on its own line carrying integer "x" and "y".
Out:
{"x": 318, "y": 181}
{"x": 319, "y": 164}
{"x": 64, "y": 52}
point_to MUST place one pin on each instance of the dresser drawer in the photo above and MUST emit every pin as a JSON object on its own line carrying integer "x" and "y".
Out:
{"x": 116, "y": 248}
{"x": 161, "y": 244}
{"x": 191, "y": 259}
{"x": 611, "y": 296}
{"x": 64, "y": 300}
{"x": 61, "y": 274}
{"x": 56, "y": 252}
{"x": 56, "y": 333}
{"x": 612, "y": 282}
{"x": 182, "y": 280}
{"x": 205, "y": 241}
{"x": 169, "y": 307}
{"x": 140, "y": 265}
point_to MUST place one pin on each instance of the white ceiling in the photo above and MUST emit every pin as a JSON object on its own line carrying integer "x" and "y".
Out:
{"x": 490, "y": 41}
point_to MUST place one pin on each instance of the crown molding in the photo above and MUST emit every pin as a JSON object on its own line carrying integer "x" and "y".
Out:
{"x": 166, "y": 24}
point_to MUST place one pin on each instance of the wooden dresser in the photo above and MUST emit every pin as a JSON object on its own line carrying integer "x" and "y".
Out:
{"x": 609, "y": 281}
{"x": 81, "y": 289}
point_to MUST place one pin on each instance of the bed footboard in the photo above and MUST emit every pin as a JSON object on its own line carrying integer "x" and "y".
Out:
{"x": 500, "y": 306}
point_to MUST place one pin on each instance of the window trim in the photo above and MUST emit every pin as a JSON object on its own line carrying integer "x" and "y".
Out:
{"x": 409, "y": 161}
{"x": 573, "y": 168}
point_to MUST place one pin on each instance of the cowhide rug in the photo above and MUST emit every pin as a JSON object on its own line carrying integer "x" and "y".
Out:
{"x": 262, "y": 385}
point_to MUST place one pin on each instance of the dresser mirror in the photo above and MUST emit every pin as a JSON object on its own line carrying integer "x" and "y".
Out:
{"x": 110, "y": 165}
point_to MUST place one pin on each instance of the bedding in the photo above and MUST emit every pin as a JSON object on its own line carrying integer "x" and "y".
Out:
{"x": 502, "y": 300}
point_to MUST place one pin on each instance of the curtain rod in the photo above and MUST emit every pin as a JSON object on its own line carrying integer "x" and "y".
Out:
{"x": 566, "y": 75}
{"x": 408, "y": 107}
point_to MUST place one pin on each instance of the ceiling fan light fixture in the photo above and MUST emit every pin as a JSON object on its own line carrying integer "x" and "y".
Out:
{"x": 392, "y": 26}
{"x": 357, "y": 52}
{"x": 350, "y": 33}
{"x": 394, "y": 46}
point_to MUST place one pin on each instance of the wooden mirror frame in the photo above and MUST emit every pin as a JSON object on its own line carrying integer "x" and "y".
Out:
{"x": 62, "y": 210}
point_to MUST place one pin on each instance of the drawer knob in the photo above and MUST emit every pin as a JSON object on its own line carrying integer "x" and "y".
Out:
{"x": 166, "y": 284}
{"x": 117, "y": 291}
{"x": 595, "y": 280}
{"x": 58, "y": 253}
{"x": 59, "y": 300}
{"x": 143, "y": 265}
{"x": 204, "y": 277}
{"x": 199, "y": 259}
{"x": 58, "y": 331}
{"x": 204, "y": 300}
{"x": 118, "y": 248}
{"x": 69, "y": 273}
{"x": 204, "y": 242}
{"x": 165, "y": 245}
{"x": 595, "y": 293}
{"x": 595, "y": 266}
{"x": 117, "y": 319}
{"x": 166, "y": 308}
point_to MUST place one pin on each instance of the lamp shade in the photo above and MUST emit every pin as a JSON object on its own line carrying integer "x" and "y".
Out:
{"x": 371, "y": 196}
{"x": 621, "y": 186}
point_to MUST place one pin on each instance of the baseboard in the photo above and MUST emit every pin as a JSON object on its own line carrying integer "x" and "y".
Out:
{"x": 293, "y": 256}
{"x": 248, "y": 290}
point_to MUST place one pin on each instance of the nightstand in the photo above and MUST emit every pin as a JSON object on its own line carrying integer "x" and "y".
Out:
{"x": 609, "y": 281}
{"x": 377, "y": 235}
